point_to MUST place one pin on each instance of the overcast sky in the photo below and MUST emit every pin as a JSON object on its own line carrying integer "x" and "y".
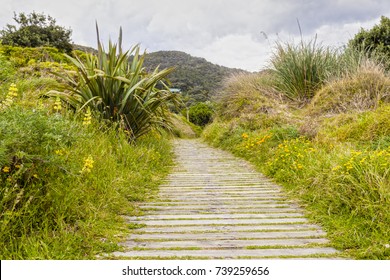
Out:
{"x": 225, "y": 32}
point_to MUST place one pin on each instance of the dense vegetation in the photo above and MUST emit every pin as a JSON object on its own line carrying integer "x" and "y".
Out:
{"x": 67, "y": 177}
{"x": 197, "y": 78}
{"x": 322, "y": 131}
{"x": 317, "y": 122}
{"x": 201, "y": 113}
{"x": 116, "y": 88}
{"x": 376, "y": 40}
{"x": 36, "y": 30}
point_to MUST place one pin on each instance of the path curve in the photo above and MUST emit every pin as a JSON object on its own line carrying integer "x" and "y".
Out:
{"x": 216, "y": 206}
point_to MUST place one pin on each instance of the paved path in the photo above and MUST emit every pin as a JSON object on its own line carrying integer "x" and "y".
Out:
{"x": 215, "y": 205}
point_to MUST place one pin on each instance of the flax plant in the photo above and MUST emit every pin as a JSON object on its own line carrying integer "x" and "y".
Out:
{"x": 116, "y": 87}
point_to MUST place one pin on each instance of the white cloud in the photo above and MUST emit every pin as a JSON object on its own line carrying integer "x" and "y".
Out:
{"x": 235, "y": 51}
{"x": 227, "y": 32}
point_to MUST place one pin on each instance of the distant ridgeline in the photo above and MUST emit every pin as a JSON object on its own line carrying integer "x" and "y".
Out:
{"x": 197, "y": 78}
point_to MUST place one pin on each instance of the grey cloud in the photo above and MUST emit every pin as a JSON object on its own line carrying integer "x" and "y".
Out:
{"x": 204, "y": 25}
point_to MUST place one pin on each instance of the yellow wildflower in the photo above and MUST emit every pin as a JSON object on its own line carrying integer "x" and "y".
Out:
{"x": 244, "y": 135}
{"x": 59, "y": 152}
{"x": 87, "y": 117}
{"x": 337, "y": 167}
{"x": 88, "y": 165}
{"x": 12, "y": 93}
{"x": 57, "y": 104}
{"x": 6, "y": 169}
{"x": 13, "y": 90}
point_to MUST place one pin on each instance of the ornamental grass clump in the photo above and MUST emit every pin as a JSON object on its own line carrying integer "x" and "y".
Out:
{"x": 116, "y": 88}
{"x": 300, "y": 70}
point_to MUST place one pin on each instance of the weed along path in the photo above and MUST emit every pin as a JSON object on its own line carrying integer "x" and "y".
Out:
{"x": 215, "y": 205}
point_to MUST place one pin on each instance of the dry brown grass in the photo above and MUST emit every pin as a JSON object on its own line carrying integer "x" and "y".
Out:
{"x": 251, "y": 96}
{"x": 357, "y": 92}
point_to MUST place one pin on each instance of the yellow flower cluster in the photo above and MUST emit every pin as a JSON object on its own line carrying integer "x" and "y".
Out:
{"x": 291, "y": 154}
{"x": 60, "y": 152}
{"x": 57, "y": 104}
{"x": 250, "y": 143}
{"x": 87, "y": 117}
{"x": 379, "y": 158}
{"x": 11, "y": 95}
{"x": 6, "y": 169}
{"x": 262, "y": 140}
{"x": 88, "y": 165}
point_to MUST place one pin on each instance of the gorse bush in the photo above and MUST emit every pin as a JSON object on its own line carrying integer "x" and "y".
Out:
{"x": 65, "y": 179}
{"x": 301, "y": 69}
{"x": 116, "y": 87}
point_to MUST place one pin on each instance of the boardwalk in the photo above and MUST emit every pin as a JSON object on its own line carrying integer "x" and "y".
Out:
{"x": 215, "y": 205}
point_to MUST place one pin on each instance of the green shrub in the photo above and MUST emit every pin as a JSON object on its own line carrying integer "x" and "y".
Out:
{"x": 201, "y": 113}
{"x": 64, "y": 184}
{"x": 21, "y": 57}
{"x": 375, "y": 41}
{"x": 115, "y": 86}
{"x": 7, "y": 69}
{"x": 36, "y": 30}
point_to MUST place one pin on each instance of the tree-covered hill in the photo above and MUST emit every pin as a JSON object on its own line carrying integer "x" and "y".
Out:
{"x": 195, "y": 76}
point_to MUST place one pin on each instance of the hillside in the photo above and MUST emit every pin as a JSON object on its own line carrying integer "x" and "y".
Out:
{"x": 195, "y": 76}
{"x": 66, "y": 178}
{"x": 324, "y": 139}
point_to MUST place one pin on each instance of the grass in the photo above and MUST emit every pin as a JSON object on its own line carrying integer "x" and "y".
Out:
{"x": 45, "y": 159}
{"x": 331, "y": 152}
{"x": 301, "y": 69}
{"x": 66, "y": 183}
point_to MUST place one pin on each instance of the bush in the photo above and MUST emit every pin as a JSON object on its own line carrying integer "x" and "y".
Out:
{"x": 7, "y": 69}
{"x": 201, "y": 114}
{"x": 22, "y": 57}
{"x": 116, "y": 88}
{"x": 63, "y": 184}
{"x": 375, "y": 41}
{"x": 36, "y": 30}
